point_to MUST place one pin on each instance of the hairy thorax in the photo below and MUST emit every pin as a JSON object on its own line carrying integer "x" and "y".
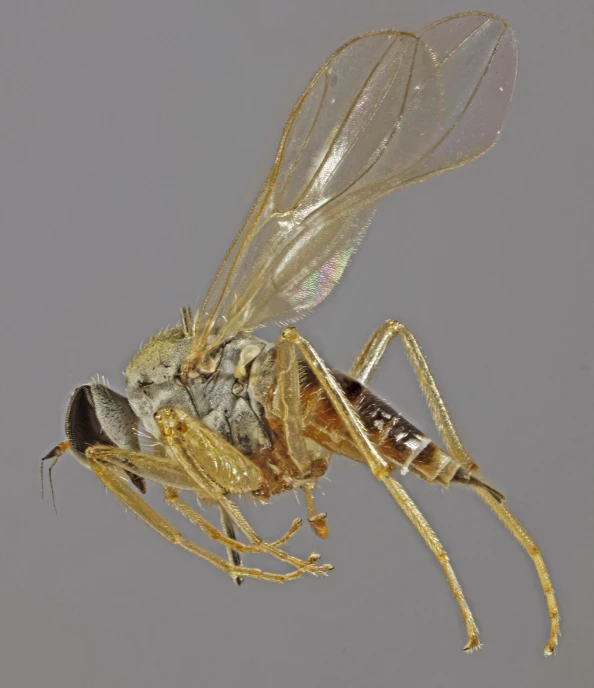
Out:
{"x": 225, "y": 401}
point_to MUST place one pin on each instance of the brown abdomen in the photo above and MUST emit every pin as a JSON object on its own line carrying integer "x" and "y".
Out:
{"x": 398, "y": 440}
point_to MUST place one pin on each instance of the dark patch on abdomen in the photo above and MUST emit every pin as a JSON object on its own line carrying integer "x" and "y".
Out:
{"x": 395, "y": 437}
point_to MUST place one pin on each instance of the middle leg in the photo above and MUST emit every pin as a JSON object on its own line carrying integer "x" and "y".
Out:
{"x": 172, "y": 498}
{"x": 381, "y": 470}
{"x": 221, "y": 469}
{"x": 304, "y": 458}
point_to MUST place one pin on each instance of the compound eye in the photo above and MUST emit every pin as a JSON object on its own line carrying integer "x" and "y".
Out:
{"x": 145, "y": 383}
{"x": 83, "y": 427}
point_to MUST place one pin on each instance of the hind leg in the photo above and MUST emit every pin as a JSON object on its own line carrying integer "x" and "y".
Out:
{"x": 363, "y": 369}
{"x": 369, "y": 359}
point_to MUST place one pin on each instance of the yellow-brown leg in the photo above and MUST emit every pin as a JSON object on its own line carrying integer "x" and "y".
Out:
{"x": 369, "y": 359}
{"x": 194, "y": 446}
{"x": 289, "y": 406}
{"x": 227, "y": 538}
{"x": 381, "y": 469}
{"x": 118, "y": 486}
{"x": 518, "y": 531}
{"x": 172, "y": 498}
{"x": 164, "y": 469}
{"x": 363, "y": 369}
{"x": 291, "y": 415}
{"x": 232, "y": 509}
{"x": 316, "y": 520}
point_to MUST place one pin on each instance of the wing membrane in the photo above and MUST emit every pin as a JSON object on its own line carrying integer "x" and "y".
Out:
{"x": 387, "y": 110}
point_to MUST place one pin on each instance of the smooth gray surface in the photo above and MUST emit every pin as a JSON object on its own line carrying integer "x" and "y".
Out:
{"x": 133, "y": 138}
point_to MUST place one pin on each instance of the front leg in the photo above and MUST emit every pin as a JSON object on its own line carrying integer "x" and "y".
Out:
{"x": 101, "y": 431}
{"x": 173, "y": 477}
{"x": 215, "y": 464}
{"x": 118, "y": 487}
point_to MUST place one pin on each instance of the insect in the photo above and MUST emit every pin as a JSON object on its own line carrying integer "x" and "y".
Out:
{"x": 230, "y": 414}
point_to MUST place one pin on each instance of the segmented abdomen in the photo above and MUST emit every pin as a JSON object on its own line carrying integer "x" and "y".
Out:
{"x": 398, "y": 440}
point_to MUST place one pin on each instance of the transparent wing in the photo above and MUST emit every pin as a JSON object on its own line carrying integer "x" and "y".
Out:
{"x": 388, "y": 109}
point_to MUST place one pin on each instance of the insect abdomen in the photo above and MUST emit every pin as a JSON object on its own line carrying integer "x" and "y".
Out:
{"x": 397, "y": 439}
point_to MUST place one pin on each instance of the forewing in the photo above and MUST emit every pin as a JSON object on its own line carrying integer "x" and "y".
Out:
{"x": 388, "y": 109}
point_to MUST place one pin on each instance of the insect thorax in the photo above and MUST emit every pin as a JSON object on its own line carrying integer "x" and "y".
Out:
{"x": 223, "y": 402}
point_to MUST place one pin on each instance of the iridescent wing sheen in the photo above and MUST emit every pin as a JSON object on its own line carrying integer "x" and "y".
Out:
{"x": 388, "y": 109}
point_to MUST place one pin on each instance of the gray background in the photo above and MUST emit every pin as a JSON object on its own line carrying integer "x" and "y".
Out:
{"x": 133, "y": 138}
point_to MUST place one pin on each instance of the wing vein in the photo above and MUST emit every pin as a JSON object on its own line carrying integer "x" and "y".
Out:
{"x": 307, "y": 140}
{"x": 346, "y": 118}
{"x": 372, "y": 161}
{"x": 388, "y": 113}
{"x": 370, "y": 118}
{"x": 417, "y": 94}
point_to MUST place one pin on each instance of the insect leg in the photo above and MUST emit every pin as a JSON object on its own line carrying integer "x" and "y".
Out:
{"x": 188, "y": 439}
{"x": 368, "y": 360}
{"x": 172, "y": 498}
{"x": 316, "y": 520}
{"x": 364, "y": 367}
{"x": 517, "y": 530}
{"x": 271, "y": 548}
{"x": 290, "y": 407}
{"x": 232, "y": 554}
{"x": 291, "y": 414}
{"x": 171, "y": 475}
{"x": 117, "y": 485}
{"x": 381, "y": 469}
